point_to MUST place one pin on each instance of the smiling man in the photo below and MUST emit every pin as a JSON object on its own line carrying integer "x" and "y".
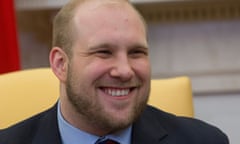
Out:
{"x": 106, "y": 74}
{"x": 100, "y": 56}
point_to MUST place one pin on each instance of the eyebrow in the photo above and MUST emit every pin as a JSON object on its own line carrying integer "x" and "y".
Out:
{"x": 110, "y": 46}
{"x": 140, "y": 45}
{"x": 102, "y": 45}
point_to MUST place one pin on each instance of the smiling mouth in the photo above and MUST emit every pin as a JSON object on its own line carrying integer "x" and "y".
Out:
{"x": 117, "y": 92}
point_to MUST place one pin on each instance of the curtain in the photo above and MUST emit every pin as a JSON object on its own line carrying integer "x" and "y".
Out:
{"x": 9, "y": 51}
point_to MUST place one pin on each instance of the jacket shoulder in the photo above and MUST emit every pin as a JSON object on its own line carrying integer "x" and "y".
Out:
{"x": 23, "y": 132}
{"x": 186, "y": 129}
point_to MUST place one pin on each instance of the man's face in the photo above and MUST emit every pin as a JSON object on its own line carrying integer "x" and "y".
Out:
{"x": 109, "y": 72}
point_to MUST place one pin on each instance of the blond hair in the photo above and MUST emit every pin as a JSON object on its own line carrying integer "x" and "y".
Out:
{"x": 62, "y": 26}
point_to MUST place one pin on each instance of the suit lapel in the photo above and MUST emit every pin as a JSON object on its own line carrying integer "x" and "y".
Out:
{"x": 48, "y": 132}
{"x": 148, "y": 129}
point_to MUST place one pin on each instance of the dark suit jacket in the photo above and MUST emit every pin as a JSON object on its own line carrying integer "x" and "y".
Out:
{"x": 153, "y": 127}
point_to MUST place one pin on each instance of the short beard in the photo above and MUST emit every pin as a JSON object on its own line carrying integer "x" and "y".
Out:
{"x": 94, "y": 114}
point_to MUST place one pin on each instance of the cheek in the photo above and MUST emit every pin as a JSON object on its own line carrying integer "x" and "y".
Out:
{"x": 142, "y": 69}
{"x": 94, "y": 70}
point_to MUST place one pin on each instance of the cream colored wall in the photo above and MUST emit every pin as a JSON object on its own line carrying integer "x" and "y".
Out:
{"x": 221, "y": 111}
{"x": 208, "y": 52}
{"x": 39, "y": 4}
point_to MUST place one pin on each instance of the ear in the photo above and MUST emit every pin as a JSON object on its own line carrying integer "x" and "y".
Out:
{"x": 59, "y": 63}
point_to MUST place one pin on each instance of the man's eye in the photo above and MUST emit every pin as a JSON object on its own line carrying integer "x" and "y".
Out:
{"x": 138, "y": 53}
{"x": 103, "y": 53}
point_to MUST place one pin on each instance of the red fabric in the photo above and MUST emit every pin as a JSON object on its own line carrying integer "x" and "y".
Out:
{"x": 9, "y": 51}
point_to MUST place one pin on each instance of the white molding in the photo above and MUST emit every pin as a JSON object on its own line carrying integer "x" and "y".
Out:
{"x": 38, "y": 4}
{"x": 55, "y": 4}
{"x": 207, "y": 52}
{"x": 216, "y": 84}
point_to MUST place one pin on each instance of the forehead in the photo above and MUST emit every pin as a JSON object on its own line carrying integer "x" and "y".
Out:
{"x": 108, "y": 20}
{"x": 100, "y": 10}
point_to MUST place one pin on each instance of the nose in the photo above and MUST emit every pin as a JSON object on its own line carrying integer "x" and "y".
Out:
{"x": 122, "y": 69}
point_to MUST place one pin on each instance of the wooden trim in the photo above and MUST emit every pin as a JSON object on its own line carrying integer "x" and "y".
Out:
{"x": 190, "y": 11}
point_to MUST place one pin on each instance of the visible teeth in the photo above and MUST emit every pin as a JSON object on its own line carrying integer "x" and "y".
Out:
{"x": 117, "y": 92}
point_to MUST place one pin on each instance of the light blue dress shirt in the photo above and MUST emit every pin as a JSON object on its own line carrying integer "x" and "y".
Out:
{"x": 72, "y": 135}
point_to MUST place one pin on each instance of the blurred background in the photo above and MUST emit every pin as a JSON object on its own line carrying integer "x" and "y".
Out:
{"x": 197, "y": 38}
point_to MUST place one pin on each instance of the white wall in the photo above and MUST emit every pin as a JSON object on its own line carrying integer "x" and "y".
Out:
{"x": 208, "y": 52}
{"x": 49, "y": 4}
{"x": 221, "y": 111}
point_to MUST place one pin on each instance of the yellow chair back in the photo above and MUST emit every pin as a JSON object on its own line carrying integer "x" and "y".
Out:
{"x": 172, "y": 95}
{"x": 25, "y": 93}
{"x": 28, "y": 92}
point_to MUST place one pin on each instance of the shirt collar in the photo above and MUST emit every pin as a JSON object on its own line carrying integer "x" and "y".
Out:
{"x": 72, "y": 135}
